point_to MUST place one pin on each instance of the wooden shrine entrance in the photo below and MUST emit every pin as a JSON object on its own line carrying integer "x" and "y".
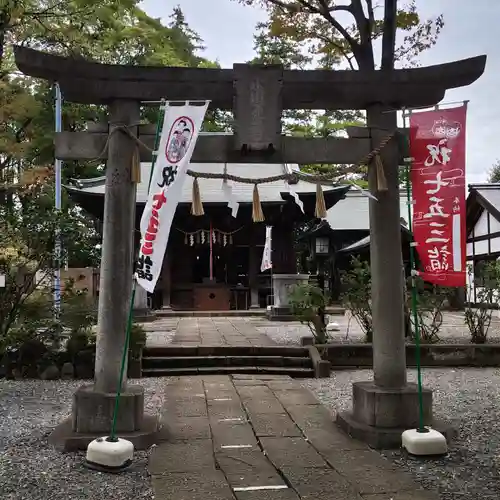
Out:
{"x": 213, "y": 264}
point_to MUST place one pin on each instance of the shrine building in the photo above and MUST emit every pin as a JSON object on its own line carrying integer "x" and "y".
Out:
{"x": 231, "y": 279}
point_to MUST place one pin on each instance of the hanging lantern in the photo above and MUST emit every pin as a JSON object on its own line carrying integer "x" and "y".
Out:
{"x": 218, "y": 237}
{"x": 203, "y": 237}
{"x": 191, "y": 239}
{"x": 225, "y": 239}
{"x": 213, "y": 236}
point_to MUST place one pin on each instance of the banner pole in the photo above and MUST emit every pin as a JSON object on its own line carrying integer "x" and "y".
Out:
{"x": 414, "y": 298}
{"x": 211, "y": 270}
{"x": 159, "y": 128}
{"x": 58, "y": 206}
{"x": 112, "y": 436}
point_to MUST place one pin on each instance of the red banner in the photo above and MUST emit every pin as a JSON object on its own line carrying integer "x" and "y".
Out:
{"x": 437, "y": 146}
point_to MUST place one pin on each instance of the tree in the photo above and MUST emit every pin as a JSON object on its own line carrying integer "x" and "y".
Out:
{"x": 494, "y": 173}
{"x": 110, "y": 31}
{"x": 27, "y": 242}
{"x": 331, "y": 31}
{"x": 324, "y": 34}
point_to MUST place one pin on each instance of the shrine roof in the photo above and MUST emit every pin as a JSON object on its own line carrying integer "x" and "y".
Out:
{"x": 482, "y": 197}
{"x": 352, "y": 213}
{"x": 210, "y": 189}
{"x": 365, "y": 242}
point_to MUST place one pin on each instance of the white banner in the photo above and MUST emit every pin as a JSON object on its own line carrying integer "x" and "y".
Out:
{"x": 267, "y": 260}
{"x": 181, "y": 126}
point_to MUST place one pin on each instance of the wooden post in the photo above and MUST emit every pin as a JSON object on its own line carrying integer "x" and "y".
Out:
{"x": 166, "y": 279}
{"x": 253, "y": 264}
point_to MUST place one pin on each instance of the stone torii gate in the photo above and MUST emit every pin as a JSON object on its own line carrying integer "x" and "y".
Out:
{"x": 257, "y": 95}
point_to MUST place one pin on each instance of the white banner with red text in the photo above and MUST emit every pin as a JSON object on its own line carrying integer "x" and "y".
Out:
{"x": 181, "y": 126}
{"x": 267, "y": 259}
{"x": 437, "y": 147}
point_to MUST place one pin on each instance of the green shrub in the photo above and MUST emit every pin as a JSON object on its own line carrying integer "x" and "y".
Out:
{"x": 356, "y": 294}
{"x": 308, "y": 304}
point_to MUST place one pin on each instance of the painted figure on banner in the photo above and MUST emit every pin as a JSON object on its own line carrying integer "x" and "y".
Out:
{"x": 437, "y": 143}
{"x": 179, "y": 139}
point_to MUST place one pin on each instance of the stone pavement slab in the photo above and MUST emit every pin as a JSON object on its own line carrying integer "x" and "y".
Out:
{"x": 226, "y": 331}
{"x": 264, "y": 438}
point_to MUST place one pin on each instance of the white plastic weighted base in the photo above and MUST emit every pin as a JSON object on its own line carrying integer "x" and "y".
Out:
{"x": 109, "y": 456}
{"x": 424, "y": 443}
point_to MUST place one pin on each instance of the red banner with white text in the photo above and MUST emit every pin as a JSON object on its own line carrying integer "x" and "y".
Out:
{"x": 437, "y": 148}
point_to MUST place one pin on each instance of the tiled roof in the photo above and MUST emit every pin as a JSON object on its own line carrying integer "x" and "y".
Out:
{"x": 352, "y": 212}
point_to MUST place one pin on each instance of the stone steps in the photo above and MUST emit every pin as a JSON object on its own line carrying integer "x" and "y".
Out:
{"x": 230, "y": 370}
{"x": 207, "y": 360}
{"x": 211, "y": 361}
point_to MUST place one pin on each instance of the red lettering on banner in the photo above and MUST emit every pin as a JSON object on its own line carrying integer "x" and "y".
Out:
{"x": 437, "y": 144}
{"x": 154, "y": 223}
{"x": 159, "y": 200}
{"x": 147, "y": 248}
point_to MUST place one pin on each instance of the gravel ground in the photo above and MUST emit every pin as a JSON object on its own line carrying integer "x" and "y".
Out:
{"x": 470, "y": 471}
{"x": 31, "y": 469}
{"x": 453, "y": 330}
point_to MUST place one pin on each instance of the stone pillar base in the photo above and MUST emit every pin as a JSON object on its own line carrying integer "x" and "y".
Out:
{"x": 380, "y": 415}
{"x": 93, "y": 411}
{"x": 93, "y": 415}
{"x": 280, "y": 314}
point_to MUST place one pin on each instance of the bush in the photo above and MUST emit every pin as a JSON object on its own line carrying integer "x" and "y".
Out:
{"x": 478, "y": 316}
{"x": 430, "y": 304}
{"x": 308, "y": 304}
{"x": 356, "y": 294}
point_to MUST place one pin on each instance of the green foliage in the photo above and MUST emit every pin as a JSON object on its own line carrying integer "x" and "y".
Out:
{"x": 487, "y": 291}
{"x": 329, "y": 32}
{"x": 494, "y": 173}
{"x": 326, "y": 34}
{"x": 308, "y": 304}
{"x": 356, "y": 294}
{"x": 27, "y": 257}
{"x": 109, "y": 31}
{"x": 430, "y": 303}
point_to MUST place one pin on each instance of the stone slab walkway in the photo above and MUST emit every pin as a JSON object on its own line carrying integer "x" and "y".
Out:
{"x": 246, "y": 437}
{"x": 206, "y": 331}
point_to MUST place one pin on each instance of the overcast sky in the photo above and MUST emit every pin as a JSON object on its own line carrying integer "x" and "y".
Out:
{"x": 471, "y": 28}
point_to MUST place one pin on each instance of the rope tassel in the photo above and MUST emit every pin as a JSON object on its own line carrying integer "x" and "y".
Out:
{"x": 257, "y": 213}
{"x": 381, "y": 179}
{"x": 320, "y": 211}
{"x": 196, "y": 205}
{"x": 135, "y": 171}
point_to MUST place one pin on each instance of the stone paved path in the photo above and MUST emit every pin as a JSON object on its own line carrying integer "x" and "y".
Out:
{"x": 260, "y": 331}
{"x": 263, "y": 438}
{"x": 206, "y": 331}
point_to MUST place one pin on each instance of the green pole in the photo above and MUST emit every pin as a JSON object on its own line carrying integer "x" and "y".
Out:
{"x": 414, "y": 300}
{"x": 112, "y": 438}
{"x": 159, "y": 127}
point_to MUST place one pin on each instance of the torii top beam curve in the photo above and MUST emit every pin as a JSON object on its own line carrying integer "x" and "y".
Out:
{"x": 89, "y": 82}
